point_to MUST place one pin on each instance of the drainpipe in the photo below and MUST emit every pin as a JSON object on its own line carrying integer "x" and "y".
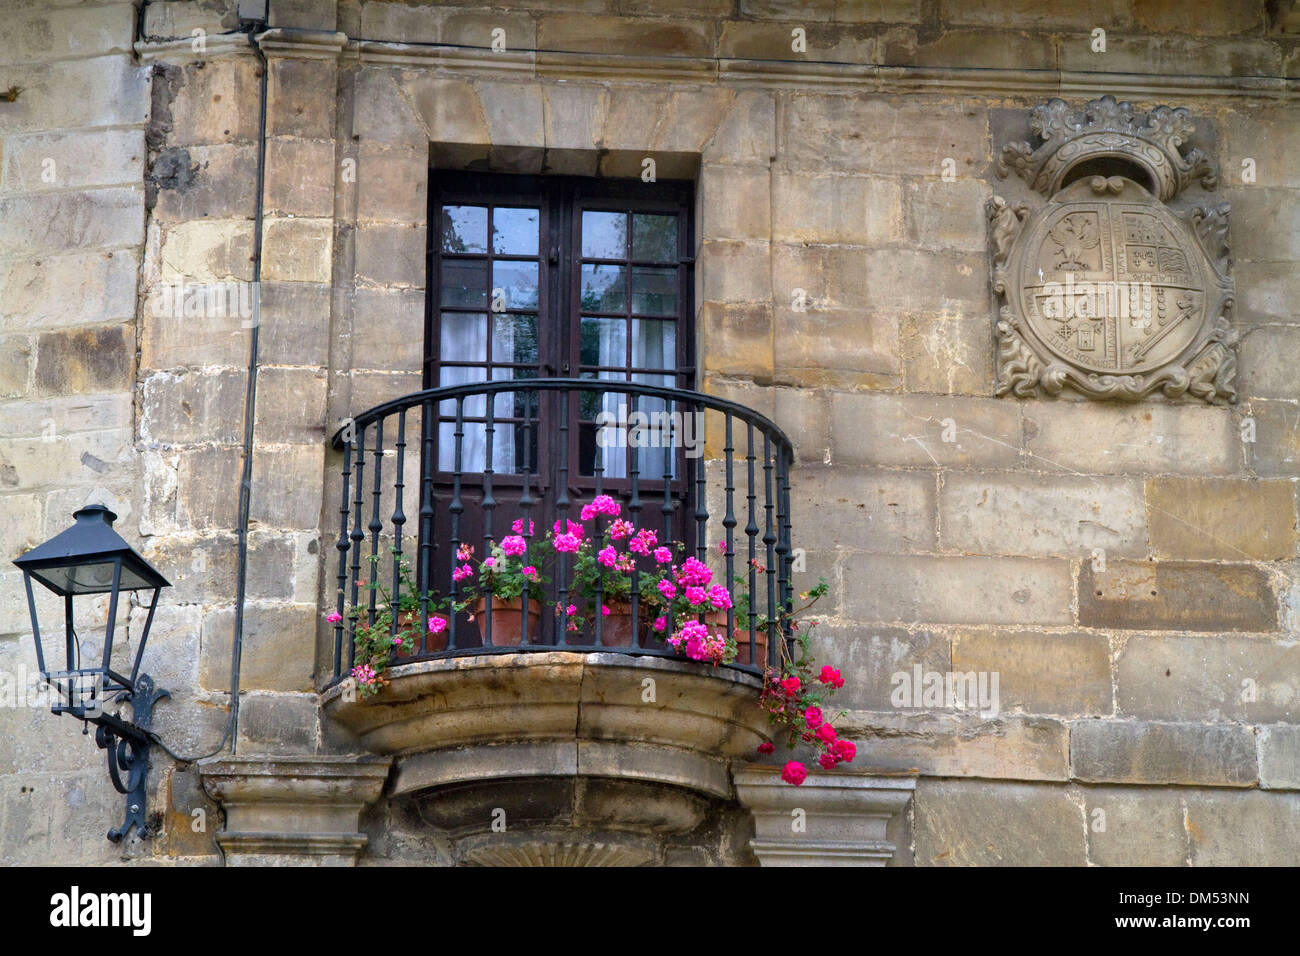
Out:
{"x": 250, "y": 398}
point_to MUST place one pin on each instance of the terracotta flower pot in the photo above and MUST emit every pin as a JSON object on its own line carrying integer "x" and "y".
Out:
{"x": 717, "y": 621}
{"x": 508, "y": 621}
{"x": 433, "y": 643}
{"x": 616, "y": 627}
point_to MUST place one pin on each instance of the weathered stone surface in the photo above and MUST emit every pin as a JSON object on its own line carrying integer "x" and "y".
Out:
{"x": 1263, "y": 134}
{"x": 1096, "y": 438}
{"x": 52, "y": 222}
{"x": 978, "y": 823}
{"x": 971, "y": 49}
{"x": 63, "y": 290}
{"x": 1133, "y": 826}
{"x": 803, "y": 415}
{"x": 1062, "y": 674}
{"x": 948, "y": 352}
{"x": 1275, "y": 451}
{"x": 284, "y": 724}
{"x": 215, "y": 101}
{"x": 1219, "y": 678}
{"x": 1265, "y": 367}
{"x": 961, "y": 745}
{"x": 388, "y": 329}
{"x": 734, "y": 271}
{"x": 1255, "y": 828}
{"x": 208, "y": 251}
{"x": 1170, "y": 56}
{"x": 291, "y": 405}
{"x": 738, "y": 338}
{"x": 1176, "y": 595}
{"x": 194, "y": 406}
{"x": 872, "y": 135}
{"x": 295, "y": 323}
{"x": 853, "y": 210}
{"x": 1228, "y": 519}
{"x": 84, "y": 360}
{"x": 870, "y": 659}
{"x": 1110, "y": 751}
{"x": 76, "y": 94}
{"x": 198, "y": 182}
{"x": 300, "y": 177}
{"x": 743, "y": 39}
{"x": 39, "y": 33}
{"x": 887, "y": 511}
{"x": 973, "y": 590}
{"x": 623, "y": 35}
{"x": 737, "y": 203}
{"x": 297, "y": 250}
{"x": 842, "y": 349}
{"x": 390, "y": 255}
{"x": 923, "y": 431}
{"x": 73, "y": 160}
{"x": 1035, "y": 514}
{"x": 1279, "y": 756}
{"x": 947, "y": 215}
{"x": 277, "y": 652}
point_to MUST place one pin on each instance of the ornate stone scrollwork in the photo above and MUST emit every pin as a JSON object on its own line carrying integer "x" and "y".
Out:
{"x": 1105, "y": 288}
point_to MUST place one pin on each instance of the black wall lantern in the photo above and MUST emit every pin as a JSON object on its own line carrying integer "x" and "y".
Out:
{"x": 91, "y": 558}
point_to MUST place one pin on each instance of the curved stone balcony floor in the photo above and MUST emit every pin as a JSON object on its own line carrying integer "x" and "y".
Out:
{"x": 558, "y": 713}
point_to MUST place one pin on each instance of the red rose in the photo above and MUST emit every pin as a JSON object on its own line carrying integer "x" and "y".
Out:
{"x": 794, "y": 772}
{"x": 766, "y": 747}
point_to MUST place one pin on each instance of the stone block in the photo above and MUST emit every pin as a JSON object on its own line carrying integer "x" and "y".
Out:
{"x": 947, "y": 215}
{"x": 1275, "y": 451}
{"x": 59, "y": 222}
{"x": 391, "y": 254}
{"x": 388, "y": 116}
{"x": 210, "y": 475}
{"x": 287, "y": 485}
{"x": 1220, "y": 678}
{"x": 804, "y": 415}
{"x": 22, "y": 527}
{"x": 194, "y": 406}
{"x": 747, "y": 133}
{"x": 295, "y": 324}
{"x": 732, "y": 271}
{"x": 1279, "y": 756}
{"x": 449, "y": 108}
{"x": 1176, "y": 595}
{"x": 15, "y": 365}
{"x": 291, "y": 405}
{"x": 392, "y": 184}
{"x": 75, "y": 160}
{"x": 871, "y": 658}
{"x": 947, "y": 352}
{"x": 97, "y": 359}
{"x": 1264, "y": 224}
{"x": 278, "y": 648}
{"x": 53, "y": 418}
{"x": 1266, "y": 362}
{"x": 1266, "y": 296}
{"x": 198, "y": 182}
{"x": 840, "y": 209}
{"x": 968, "y": 590}
{"x": 1234, "y": 829}
{"x": 79, "y": 94}
{"x": 215, "y": 101}
{"x": 208, "y": 250}
{"x": 1166, "y": 55}
{"x": 1042, "y": 515}
{"x": 751, "y": 40}
{"x": 388, "y": 329}
{"x": 980, "y": 823}
{"x": 969, "y": 49}
{"x": 49, "y": 293}
{"x": 737, "y": 339}
{"x": 573, "y": 117}
{"x": 300, "y": 177}
{"x": 177, "y": 20}
{"x": 1061, "y": 674}
{"x": 866, "y": 133}
{"x": 1098, "y": 438}
{"x": 883, "y": 511}
{"x": 737, "y": 203}
{"x": 1035, "y": 13}
{"x": 1228, "y": 519}
{"x": 171, "y": 339}
{"x": 1135, "y": 826}
{"x": 98, "y": 456}
{"x": 839, "y": 348}
{"x": 1267, "y": 135}
{"x": 1112, "y": 751}
{"x": 279, "y": 724}
{"x": 625, "y": 36}
{"x": 39, "y": 33}
{"x": 297, "y": 250}
{"x": 924, "y": 431}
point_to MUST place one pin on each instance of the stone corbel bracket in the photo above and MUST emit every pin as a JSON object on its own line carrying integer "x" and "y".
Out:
{"x": 293, "y": 811}
{"x": 832, "y": 819}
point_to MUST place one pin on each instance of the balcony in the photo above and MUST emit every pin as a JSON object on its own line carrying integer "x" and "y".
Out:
{"x": 595, "y": 716}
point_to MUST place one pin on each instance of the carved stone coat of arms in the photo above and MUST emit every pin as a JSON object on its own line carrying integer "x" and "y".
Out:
{"x": 1105, "y": 287}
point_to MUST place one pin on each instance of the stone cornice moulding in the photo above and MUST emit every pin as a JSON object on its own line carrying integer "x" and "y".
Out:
{"x": 782, "y": 74}
{"x": 183, "y": 50}
{"x": 302, "y": 44}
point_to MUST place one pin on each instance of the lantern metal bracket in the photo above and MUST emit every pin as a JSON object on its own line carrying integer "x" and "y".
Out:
{"x": 127, "y": 744}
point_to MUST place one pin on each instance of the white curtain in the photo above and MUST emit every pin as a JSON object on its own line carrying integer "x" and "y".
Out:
{"x": 466, "y": 341}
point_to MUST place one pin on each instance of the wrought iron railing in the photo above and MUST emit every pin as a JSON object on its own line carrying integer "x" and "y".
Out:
{"x": 484, "y": 454}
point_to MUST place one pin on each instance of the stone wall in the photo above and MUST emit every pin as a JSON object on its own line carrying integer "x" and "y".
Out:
{"x": 842, "y": 289}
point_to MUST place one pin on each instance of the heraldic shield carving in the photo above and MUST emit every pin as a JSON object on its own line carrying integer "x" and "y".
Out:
{"x": 1106, "y": 287}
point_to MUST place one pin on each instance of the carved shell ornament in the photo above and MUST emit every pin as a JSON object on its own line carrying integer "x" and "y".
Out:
{"x": 1105, "y": 287}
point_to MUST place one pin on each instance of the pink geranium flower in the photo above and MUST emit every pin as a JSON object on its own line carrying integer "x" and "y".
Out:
{"x": 335, "y": 617}
{"x": 437, "y": 625}
{"x": 663, "y": 556}
{"x": 813, "y": 717}
{"x": 794, "y": 772}
{"x": 513, "y": 545}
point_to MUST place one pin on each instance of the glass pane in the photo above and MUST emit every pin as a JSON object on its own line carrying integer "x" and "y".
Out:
{"x": 475, "y": 406}
{"x": 654, "y": 237}
{"x": 603, "y": 342}
{"x": 472, "y": 447}
{"x": 654, "y": 344}
{"x": 514, "y": 404}
{"x": 463, "y": 337}
{"x": 654, "y": 291}
{"x": 464, "y": 283}
{"x": 514, "y": 285}
{"x": 464, "y": 229}
{"x": 604, "y": 288}
{"x": 604, "y": 235}
{"x": 514, "y": 338}
{"x": 514, "y": 231}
